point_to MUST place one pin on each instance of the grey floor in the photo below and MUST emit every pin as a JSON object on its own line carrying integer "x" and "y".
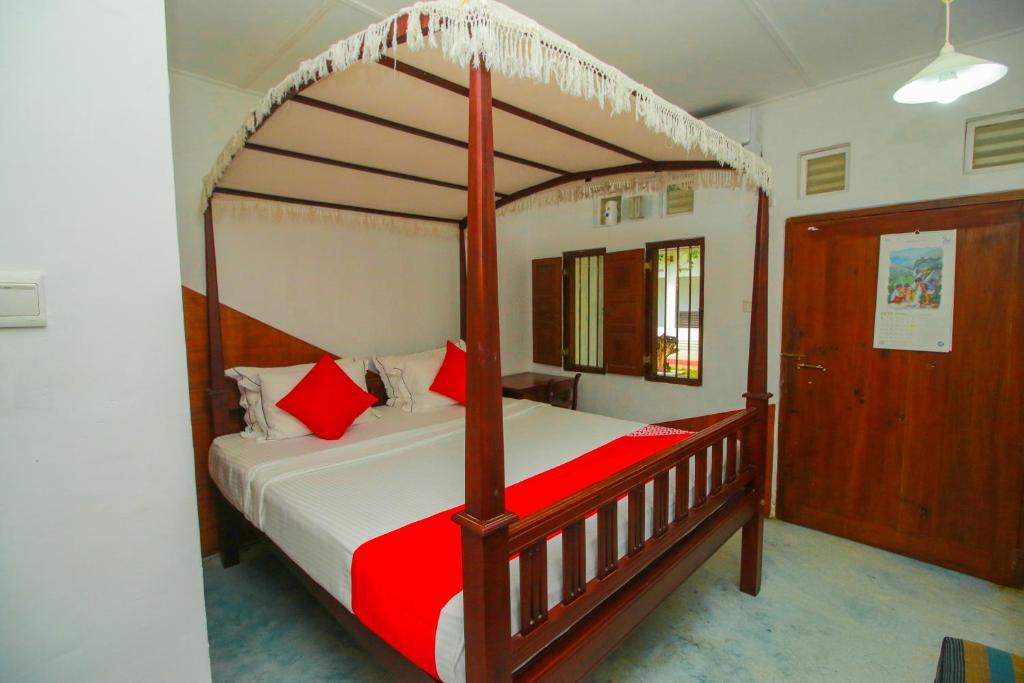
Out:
{"x": 830, "y": 610}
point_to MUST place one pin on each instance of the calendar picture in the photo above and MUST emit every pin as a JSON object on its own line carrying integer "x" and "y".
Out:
{"x": 914, "y": 303}
{"x": 915, "y": 277}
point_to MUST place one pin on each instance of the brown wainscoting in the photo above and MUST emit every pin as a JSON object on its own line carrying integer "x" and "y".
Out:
{"x": 247, "y": 341}
{"x": 695, "y": 424}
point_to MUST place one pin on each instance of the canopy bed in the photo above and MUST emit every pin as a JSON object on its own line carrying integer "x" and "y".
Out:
{"x": 558, "y": 553}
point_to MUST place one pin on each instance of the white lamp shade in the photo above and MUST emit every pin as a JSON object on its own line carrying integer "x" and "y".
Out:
{"x": 951, "y": 75}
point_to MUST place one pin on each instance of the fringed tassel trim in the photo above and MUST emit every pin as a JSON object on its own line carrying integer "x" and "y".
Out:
{"x": 514, "y": 46}
{"x": 278, "y": 212}
{"x": 630, "y": 185}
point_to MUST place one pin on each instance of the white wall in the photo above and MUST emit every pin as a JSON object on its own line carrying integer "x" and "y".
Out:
{"x": 99, "y": 547}
{"x": 725, "y": 218}
{"x": 351, "y": 288}
{"x": 204, "y": 115}
{"x": 355, "y": 290}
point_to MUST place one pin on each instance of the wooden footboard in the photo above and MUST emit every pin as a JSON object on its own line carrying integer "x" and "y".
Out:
{"x": 686, "y": 535}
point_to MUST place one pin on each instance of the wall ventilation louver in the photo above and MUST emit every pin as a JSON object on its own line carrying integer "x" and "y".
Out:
{"x": 994, "y": 142}
{"x": 825, "y": 170}
{"x": 678, "y": 200}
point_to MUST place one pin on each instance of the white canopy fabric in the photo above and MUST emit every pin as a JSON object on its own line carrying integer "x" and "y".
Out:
{"x": 372, "y": 125}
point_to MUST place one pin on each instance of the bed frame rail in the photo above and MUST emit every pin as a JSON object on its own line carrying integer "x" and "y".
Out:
{"x": 728, "y": 485}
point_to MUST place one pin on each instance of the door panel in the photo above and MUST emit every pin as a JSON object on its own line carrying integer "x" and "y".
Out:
{"x": 917, "y": 452}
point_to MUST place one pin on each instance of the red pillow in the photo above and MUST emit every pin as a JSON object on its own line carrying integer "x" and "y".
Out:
{"x": 451, "y": 377}
{"x": 326, "y": 400}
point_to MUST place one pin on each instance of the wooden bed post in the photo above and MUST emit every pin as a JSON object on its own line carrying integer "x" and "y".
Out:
{"x": 462, "y": 279}
{"x": 216, "y": 342}
{"x": 757, "y": 397}
{"x": 229, "y": 526}
{"x": 484, "y": 521}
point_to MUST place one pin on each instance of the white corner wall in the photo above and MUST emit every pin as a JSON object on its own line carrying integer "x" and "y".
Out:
{"x": 355, "y": 290}
{"x": 204, "y": 116}
{"x": 99, "y": 547}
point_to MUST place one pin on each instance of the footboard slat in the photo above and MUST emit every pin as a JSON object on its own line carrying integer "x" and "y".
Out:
{"x": 700, "y": 478}
{"x": 741, "y": 459}
{"x": 730, "y": 457}
{"x": 660, "y": 522}
{"x": 682, "y": 491}
{"x": 635, "y": 521}
{"x": 574, "y": 561}
{"x": 533, "y": 586}
{"x": 607, "y": 539}
{"x": 716, "y": 466}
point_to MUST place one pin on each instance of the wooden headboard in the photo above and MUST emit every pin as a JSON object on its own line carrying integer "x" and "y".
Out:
{"x": 375, "y": 385}
{"x": 246, "y": 341}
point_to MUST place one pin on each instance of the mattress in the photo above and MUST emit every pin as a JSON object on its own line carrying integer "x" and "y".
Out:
{"x": 320, "y": 500}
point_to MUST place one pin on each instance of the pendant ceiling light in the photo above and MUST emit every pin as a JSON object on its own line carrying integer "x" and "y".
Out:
{"x": 951, "y": 75}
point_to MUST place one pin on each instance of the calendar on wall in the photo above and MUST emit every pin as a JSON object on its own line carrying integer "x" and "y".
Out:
{"x": 914, "y": 298}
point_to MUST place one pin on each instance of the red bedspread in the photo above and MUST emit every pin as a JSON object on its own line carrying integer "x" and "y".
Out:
{"x": 402, "y": 580}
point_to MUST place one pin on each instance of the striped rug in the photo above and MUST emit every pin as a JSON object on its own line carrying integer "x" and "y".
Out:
{"x": 963, "y": 661}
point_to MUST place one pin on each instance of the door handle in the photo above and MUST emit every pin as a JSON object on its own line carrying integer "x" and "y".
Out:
{"x": 811, "y": 366}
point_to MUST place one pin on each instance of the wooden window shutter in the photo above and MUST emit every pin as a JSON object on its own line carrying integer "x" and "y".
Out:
{"x": 624, "y": 312}
{"x": 547, "y": 311}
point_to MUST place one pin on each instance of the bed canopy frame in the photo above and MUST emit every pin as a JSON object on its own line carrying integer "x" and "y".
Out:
{"x": 375, "y": 127}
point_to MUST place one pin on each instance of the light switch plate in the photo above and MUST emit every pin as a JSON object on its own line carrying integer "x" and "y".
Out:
{"x": 747, "y": 306}
{"x": 22, "y": 299}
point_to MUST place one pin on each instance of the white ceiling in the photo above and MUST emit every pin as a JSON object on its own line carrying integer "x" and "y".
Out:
{"x": 704, "y": 55}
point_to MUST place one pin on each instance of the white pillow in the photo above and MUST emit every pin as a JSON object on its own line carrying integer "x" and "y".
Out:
{"x": 249, "y": 399}
{"x": 407, "y": 379}
{"x": 262, "y": 388}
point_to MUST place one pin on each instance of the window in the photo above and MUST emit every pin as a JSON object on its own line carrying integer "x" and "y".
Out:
{"x": 636, "y": 312}
{"x": 824, "y": 170}
{"x": 584, "y": 310}
{"x": 675, "y": 308}
{"x": 994, "y": 142}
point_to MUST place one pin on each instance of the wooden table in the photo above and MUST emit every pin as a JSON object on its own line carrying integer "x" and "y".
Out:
{"x": 533, "y": 385}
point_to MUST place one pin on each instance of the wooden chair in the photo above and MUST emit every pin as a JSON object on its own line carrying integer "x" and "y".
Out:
{"x": 563, "y": 395}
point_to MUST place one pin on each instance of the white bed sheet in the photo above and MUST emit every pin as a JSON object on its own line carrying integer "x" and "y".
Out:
{"x": 319, "y": 501}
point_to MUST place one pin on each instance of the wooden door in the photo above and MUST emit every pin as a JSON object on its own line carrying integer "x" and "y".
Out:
{"x": 916, "y": 452}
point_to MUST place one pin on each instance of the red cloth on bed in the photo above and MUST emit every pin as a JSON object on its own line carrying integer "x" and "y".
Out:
{"x": 402, "y": 580}
{"x": 450, "y": 380}
{"x": 326, "y": 400}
